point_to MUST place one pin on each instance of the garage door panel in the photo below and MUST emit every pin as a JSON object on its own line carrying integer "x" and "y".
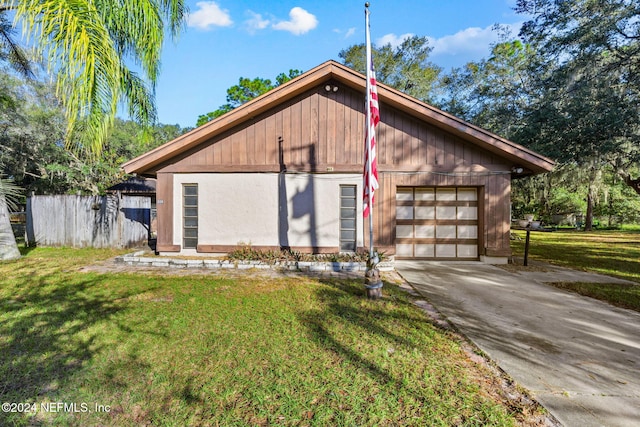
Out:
{"x": 404, "y": 212}
{"x": 445, "y": 231}
{"x": 470, "y": 194}
{"x": 425, "y": 212}
{"x": 445, "y": 212}
{"x": 437, "y": 223}
{"x": 425, "y": 194}
{"x": 424, "y": 250}
{"x": 467, "y": 212}
{"x": 446, "y": 194}
{"x": 467, "y": 231}
{"x": 425, "y": 231}
{"x": 467, "y": 251}
{"x": 445, "y": 251}
{"x": 404, "y": 194}
{"x": 404, "y": 231}
{"x": 404, "y": 250}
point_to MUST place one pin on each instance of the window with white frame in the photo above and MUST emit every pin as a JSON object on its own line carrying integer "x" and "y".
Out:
{"x": 190, "y": 216}
{"x": 348, "y": 218}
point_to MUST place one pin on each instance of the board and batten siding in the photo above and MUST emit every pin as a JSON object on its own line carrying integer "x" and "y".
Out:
{"x": 493, "y": 207}
{"x": 322, "y": 132}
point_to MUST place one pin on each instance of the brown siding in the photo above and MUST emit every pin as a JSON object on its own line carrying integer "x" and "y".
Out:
{"x": 493, "y": 207}
{"x": 164, "y": 205}
{"x": 323, "y": 131}
{"x": 334, "y": 123}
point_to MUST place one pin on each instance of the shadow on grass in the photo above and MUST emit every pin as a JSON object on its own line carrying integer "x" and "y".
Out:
{"x": 47, "y": 333}
{"x": 372, "y": 323}
{"x": 24, "y": 250}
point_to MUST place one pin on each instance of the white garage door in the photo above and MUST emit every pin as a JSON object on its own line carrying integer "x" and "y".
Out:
{"x": 436, "y": 223}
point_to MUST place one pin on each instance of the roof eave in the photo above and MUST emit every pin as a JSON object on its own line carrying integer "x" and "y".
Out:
{"x": 146, "y": 162}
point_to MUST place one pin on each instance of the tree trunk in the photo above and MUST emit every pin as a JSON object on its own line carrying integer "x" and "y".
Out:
{"x": 8, "y": 247}
{"x": 588, "y": 221}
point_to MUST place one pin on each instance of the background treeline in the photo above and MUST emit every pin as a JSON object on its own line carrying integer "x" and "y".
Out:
{"x": 567, "y": 86}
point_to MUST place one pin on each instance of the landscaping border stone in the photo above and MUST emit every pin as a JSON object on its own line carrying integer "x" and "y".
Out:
{"x": 138, "y": 259}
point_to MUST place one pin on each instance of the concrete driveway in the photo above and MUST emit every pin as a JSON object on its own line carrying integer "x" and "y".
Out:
{"x": 580, "y": 358}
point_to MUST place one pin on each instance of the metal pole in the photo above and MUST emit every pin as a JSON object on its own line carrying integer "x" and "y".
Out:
{"x": 373, "y": 284}
{"x": 368, "y": 124}
{"x": 526, "y": 248}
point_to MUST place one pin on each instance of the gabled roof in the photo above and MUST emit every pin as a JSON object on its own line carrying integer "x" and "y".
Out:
{"x": 147, "y": 163}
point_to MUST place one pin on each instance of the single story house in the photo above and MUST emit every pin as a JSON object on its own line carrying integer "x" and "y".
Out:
{"x": 285, "y": 171}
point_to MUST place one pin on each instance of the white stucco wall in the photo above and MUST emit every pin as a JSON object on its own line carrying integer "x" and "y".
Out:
{"x": 235, "y": 208}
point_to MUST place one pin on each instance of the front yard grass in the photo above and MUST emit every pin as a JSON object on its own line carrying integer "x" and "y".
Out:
{"x": 612, "y": 252}
{"x": 147, "y": 349}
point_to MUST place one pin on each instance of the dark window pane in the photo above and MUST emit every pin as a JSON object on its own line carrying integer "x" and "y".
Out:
{"x": 348, "y": 223}
{"x": 347, "y": 235}
{"x": 191, "y": 222}
{"x": 190, "y": 211}
{"x": 190, "y": 243}
{"x": 191, "y": 232}
{"x": 348, "y": 191}
{"x": 191, "y": 201}
{"x": 190, "y": 190}
{"x": 348, "y": 246}
{"x": 348, "y": 203}
{"x": 347, "y": 213}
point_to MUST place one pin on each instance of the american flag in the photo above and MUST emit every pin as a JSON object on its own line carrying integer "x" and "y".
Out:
{"x": 373, "y": 113}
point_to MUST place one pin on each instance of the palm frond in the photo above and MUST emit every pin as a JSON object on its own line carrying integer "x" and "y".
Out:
{"x": 11, "y": 192}
{"x": 87, "y": 43}
{"x": 16, "y": 56}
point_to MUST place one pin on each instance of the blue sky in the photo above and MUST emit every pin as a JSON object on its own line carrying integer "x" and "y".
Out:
{"x": 228, "y": 39}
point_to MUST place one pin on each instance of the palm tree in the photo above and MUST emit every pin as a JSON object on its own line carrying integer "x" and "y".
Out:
{"x": 88, "y": 45}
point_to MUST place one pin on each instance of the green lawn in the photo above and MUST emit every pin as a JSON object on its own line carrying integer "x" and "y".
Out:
{"x": 196, "y": 350}
{"x": 615, "y": 253}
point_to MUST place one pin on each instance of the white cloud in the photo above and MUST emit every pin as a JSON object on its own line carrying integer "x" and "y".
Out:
{"x": 209, "y": 15}
{"x": 256, "y": 22}
{"x": 351, "y": 31}
{"x": 470, "y": 44}
{"x": 300, "y": 22}
{"x": 473, "y": 41}
{"x": 392, "y": 39}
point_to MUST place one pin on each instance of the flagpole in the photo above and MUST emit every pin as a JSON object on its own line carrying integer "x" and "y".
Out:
{"x": 368, "y": 124}
{"x": 373, "y": 284}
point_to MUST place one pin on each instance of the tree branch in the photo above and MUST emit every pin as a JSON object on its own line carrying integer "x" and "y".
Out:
{"x": 633, "y": 183}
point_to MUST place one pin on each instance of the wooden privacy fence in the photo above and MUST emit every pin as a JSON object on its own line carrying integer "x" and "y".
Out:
{"x": 112, "y": 221}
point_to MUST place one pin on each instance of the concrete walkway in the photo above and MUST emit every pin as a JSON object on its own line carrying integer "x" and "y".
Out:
{"x": 580, "y": 358}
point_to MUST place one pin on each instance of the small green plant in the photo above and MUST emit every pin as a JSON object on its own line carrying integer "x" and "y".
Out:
{"x": 245, "y": 252}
